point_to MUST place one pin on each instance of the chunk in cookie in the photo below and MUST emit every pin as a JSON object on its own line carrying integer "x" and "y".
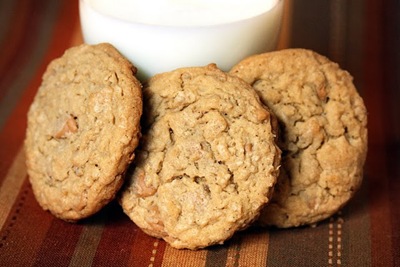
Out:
{"x": 83, "y": 127}
{"x": 323, "y": 133}
{"x": 207, "y": 162}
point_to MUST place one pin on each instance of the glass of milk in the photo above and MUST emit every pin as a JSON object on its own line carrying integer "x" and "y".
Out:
{"x": 162, "y": 35}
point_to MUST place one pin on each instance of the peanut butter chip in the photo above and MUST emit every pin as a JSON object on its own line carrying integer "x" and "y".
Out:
{"x": 143, "y": 190}
{"x": 70, "y": 126}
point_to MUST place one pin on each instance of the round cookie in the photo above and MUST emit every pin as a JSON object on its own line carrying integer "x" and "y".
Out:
{"x": 207, "y": 161}
{"x": 83, "y": 127}
{"x": 323, "y": 137}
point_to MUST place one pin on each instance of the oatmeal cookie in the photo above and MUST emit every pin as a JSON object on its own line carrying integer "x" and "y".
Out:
{"x": 207, "y": 161}
{"x": 323, "y": 137}
{"x": 83, "y": 127}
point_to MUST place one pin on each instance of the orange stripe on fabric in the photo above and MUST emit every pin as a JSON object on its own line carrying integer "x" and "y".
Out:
{"x": 142, "y": 249}
{"x": 172, "y": 257}
{"x": 254, "y": 249}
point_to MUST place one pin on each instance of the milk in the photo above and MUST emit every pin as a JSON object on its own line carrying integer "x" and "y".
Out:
{"x": 162, "y": 35}
{"x": 182, "y": 12}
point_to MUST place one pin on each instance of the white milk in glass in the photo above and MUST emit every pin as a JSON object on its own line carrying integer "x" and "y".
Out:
{"x": 162, "y": 35}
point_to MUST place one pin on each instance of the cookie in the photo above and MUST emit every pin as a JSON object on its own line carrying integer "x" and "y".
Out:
{"x": 83, "y": 127}
{"x": 323, "y": 134}
{"x": 207, "y": 161}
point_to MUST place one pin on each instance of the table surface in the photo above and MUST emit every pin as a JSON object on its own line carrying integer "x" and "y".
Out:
{"x": 362, "y": 36}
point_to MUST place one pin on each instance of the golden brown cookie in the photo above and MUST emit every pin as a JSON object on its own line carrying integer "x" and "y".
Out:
{"x": 323, "y": 133}
{"x": 207, "y": 162}
{"x": 83, "y": 127}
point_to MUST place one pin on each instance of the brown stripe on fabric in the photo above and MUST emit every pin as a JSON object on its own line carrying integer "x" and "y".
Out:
{"x": 11, "y": 185}
{"x": 310, "y": 23}
{"x": 217, "y": 255}
{"x": 232, "y": 257}
{"x": 304, "y": 241}
{"x": 355, "y": 41}
{"x": 356, "y": 245}
{"x": 6, "y": 18}
{"x": 337, "y": 30}
{"x": 172, "y": 257}
{"x": 26, "y": 219}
